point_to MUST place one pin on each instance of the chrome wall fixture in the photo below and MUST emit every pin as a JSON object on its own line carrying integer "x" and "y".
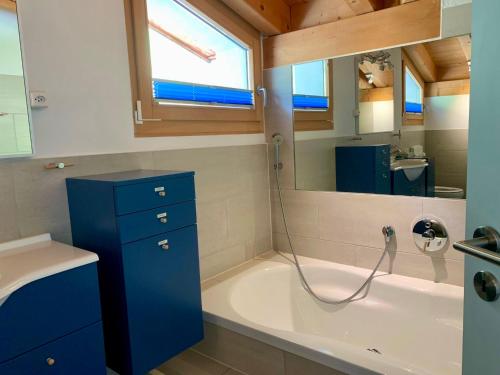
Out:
{"x": 430, "y": 235}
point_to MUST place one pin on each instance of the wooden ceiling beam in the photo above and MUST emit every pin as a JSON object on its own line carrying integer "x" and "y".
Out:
{"x": 466, "y": 44}
{"x": 409, "y": 23}
{"x": 270, "y": 17}
{"x": 9, "y": 5}
{"x": 365, "y": 6}
{"x": 422, "y": 60}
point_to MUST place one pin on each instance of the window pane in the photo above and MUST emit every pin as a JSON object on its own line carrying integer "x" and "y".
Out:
{"x": 15, "y": 133}
{"x": 309, "y": 79}
{"x": 186, "y": 48}
{"x": 413, "y": 94}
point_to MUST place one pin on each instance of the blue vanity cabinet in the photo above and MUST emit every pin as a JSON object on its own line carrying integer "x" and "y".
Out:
{"x": 363, "y": 169}
{"x": 142, "y": 224}
{"x": 402, "y": 185}
{"x": 53, "y": 326}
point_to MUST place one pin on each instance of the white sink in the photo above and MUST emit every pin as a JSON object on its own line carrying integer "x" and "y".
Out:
{"x": 408, "y": 164}
{"x": 29, "y": 259}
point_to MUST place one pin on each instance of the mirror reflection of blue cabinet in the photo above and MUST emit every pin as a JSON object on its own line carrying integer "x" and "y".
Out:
{"x": 363, "y": 169}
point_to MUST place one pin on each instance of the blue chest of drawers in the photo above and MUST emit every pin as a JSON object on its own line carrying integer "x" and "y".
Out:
{"x": 363, "y": 169}
{"x": 142, "y": 224}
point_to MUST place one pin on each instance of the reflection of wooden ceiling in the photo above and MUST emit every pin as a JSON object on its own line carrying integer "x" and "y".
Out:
{"x": 380, "y": 78}
{"x": 442, "y": 60}
{"x": 8, "y": 4}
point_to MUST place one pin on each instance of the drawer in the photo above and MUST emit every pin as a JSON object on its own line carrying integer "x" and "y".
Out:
{"x": 47, "y": 309}
{"x": 133, "y": 227}
{"x": 147, "y": 195}
{"x": 80, "y": 353}
{"x": 163, "y": 297}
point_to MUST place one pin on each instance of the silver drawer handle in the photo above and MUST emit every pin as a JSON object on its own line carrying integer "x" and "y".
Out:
{"x": 51, "y": 361}
{"x": 161, "y": 191}
{"x": 162, "y": 217}
{"x": 164, "y": 244}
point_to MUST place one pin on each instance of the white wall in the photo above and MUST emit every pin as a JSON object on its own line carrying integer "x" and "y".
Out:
{"x": 376, "y": 117}
{"x": 76, "y": 51}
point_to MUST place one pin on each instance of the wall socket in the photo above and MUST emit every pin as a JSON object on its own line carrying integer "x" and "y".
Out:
{"x": 39, "y": 99}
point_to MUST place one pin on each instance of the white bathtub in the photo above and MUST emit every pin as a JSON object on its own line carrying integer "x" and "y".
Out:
{"x": 415, "y": 325}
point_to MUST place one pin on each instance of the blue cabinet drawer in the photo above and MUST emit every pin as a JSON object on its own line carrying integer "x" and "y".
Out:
{"x": 163, "y": 297}
{"x": 145, "y": 224}
{"x": 80, "y": 353}
{"x": 147, "y": 195}
{"x": 47, "y": 309}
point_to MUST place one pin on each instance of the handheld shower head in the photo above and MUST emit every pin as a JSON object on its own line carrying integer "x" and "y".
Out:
{"x": 277, "y": 142}
{"x": 277, "y": 139}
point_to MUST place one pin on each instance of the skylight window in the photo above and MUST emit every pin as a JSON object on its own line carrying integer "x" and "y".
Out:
{"x": 413, "y": 94}
{"x": 310, "y": 88}
{"x": 194, "y": 61}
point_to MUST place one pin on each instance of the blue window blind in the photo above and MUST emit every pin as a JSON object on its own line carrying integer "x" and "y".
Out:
{"x": 413, "y": 94}
{"x": 310, "y": 86}
{"x": 310, "y": 102}
{"x": 189, "y": 92}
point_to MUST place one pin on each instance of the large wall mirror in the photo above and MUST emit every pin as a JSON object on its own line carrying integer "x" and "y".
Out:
{"x": 393, "y": 121}
{"x": 15, "y": 130}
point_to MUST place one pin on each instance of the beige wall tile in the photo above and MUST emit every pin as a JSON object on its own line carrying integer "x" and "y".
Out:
{"x": 358, "y": 218}
{"x": 248, "y": 355}
{"x": 8, "y": 211}
{"x": 350, "y": 231}
{"x": 222, "y": 260}
{"x": 321, "y": 249}
{"x": 301, "y": 212}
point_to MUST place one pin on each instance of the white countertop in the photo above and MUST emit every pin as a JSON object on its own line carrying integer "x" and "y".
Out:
{"x": 26, "y": 260}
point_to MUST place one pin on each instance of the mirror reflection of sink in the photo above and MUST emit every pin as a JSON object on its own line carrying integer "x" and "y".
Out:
{"x": 408, "y": 164}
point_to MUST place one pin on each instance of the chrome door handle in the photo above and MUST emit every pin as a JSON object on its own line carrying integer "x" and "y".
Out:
{"x": 485, "y": 244}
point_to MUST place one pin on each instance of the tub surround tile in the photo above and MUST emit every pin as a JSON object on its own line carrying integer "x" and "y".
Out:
{"x": 321, "y": 249}
{"x": 349, "y": 231}
{"x": 358, "y": 219}
{"x": 245, "y": 354}
{"x": 192, "y": 363}
{"x": 8, "y": 227}
{"x": 295, "y": 365}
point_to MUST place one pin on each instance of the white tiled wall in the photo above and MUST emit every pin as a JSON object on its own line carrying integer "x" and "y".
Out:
{"x": 346, "y": 228}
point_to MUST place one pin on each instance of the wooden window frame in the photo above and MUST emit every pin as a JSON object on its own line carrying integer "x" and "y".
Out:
{"x": 185, "y": 120}
{"x": 412, "y": 118}
{"x": 308, "y": 120}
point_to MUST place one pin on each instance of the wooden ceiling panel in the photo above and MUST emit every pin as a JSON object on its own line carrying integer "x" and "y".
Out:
{"x": 423, "y": 62}
{"x": 270, "y": 17}
{"x": 316, "y": 12}
{"x": 364, "y": 6}
{"x": 8, "y": 5}
{"x": 451, "y": 58}
{"x": 380, "y": 78}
